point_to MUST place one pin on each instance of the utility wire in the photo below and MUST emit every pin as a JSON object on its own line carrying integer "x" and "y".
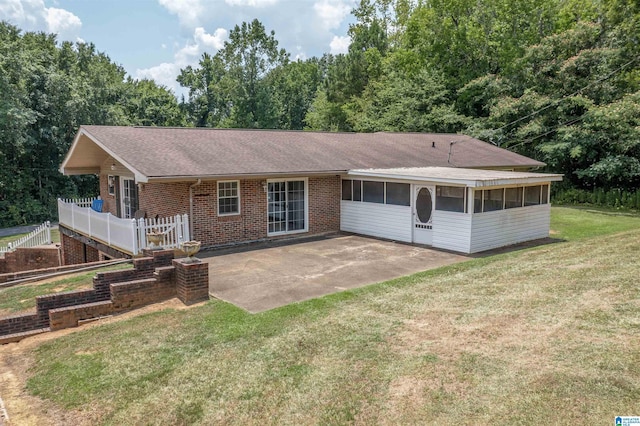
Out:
{"x": 526, "y": 141}
{"x": 556, "y": 102}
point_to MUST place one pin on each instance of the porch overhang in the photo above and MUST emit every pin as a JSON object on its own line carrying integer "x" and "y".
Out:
{"x": 87, "y": 155}
{"x": 473, "y": 178}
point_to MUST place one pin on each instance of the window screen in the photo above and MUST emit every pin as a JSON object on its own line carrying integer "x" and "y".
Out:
{"x": 373, "y": 192}
{"x": 493, "y": 199}
{"x": 398, "y": 194}
{"x": 513, "y": 198}
{"x": 357, "y": 190}
{"x": 346, "y": 189}
{"x": 477, "y": 201}
{"x": 545, "y": 194}
{"x": 531, "y": 195}
{"x": 450, "y": 198}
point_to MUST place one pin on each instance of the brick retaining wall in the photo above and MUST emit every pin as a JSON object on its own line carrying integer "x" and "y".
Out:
{"x": 28, "y": 258}
{"x": 153, "y": 279}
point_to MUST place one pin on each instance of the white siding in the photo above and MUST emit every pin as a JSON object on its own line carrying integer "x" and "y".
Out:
{"x": 452, "y": 231}
{"x": 505, "y": 227}
{"x": 378, "y": 220}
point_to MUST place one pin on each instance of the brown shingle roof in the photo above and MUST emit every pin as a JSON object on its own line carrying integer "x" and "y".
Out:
{"x": 157, "y": 152}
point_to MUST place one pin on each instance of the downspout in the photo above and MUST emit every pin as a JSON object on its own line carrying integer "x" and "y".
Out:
{"x": 198, "y": 182}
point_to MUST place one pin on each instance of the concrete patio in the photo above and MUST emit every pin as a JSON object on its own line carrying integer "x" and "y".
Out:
{"x": 269, "y": 275}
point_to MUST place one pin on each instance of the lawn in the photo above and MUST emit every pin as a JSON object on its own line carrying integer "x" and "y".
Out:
{"x": 21, "y": 298}
{"x": 55, "y": 237}
{"x": 547, "y": 335}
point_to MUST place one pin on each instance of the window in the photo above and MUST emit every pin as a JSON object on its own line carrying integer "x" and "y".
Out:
{"x": 357, "y": 190}
{"x": 228, "y": 197}
{"x": 111, "y": 185}
{"x": 450, "y": 198}
{"x": 545, "y": 194}
{"x": 532, "y": 195}
{"x": 398, "y": 194}
{"x": 493, "y": 199}
{"x": 373, "y": 192}
{"x": 346, "y": 190}
{"x": 477, "y": 201}
{"x": 513, "y": 198}
{"x": 286, "y": 206}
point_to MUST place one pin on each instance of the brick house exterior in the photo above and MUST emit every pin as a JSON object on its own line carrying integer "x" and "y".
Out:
{"x": 168, "y": 199}
{"x": 239, "y": 186}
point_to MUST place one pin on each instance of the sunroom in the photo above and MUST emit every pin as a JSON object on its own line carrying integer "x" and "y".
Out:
{"x": 463, "y": 210}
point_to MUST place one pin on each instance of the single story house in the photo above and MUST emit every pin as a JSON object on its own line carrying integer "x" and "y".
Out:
{"x": 448, "y": 191}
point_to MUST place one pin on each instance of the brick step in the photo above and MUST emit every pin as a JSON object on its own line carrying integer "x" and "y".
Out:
{"x": 70, "y": 316}
{"x": 16, "y": 337}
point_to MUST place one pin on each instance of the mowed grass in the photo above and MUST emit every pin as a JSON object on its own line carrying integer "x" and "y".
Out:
{"x": 55, "y": 237}
{"x": 23, "y": 297}
{"x": 542, "y": 336}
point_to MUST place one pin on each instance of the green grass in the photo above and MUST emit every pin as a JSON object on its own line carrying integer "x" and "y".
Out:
{"x": 22, "y": 297}
{"x": 55, "y": 237}
{"x": 540, "y": 336}
{"x": 573, "y": 223}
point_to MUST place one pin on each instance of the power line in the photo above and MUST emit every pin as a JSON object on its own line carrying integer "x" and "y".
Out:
{"x": 526, "y": 141}
{"x": 556, "y": 102}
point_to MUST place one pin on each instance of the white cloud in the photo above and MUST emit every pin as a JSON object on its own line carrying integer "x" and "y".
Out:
{"x": 340, "y": 44}
{"x": 189, "y": 54}
{"x": 215, "y": 41}
{"x": 33, "y": 15}
{"x": 189, "y": 12}
{"x": 251, "y": 3}
{"x": 332, "y": 12}
{"x": 62, "y": 22}
{"x": 164, "y": 74}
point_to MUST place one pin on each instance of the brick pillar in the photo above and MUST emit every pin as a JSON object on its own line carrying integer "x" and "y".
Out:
{"x": 192, "y": 281}
{"x": 72, "y": 250}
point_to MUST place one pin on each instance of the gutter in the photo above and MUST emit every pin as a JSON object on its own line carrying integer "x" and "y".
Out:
{"x": 198, "y": 182}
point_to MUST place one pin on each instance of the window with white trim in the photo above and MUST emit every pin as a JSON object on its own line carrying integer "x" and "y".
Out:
{"x": 228, "y": 197}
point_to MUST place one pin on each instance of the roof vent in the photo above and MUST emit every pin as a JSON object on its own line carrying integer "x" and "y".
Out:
{"x": 433, "y": 144}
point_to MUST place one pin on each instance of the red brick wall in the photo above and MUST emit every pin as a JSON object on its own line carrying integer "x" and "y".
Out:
{"x": 109, "y": 203}
{"x": 251, "y": 223}
{"x": 26, "y": 259}
{"x": 168, "y": 199}
{"x": 324, "y": 204}
{"x": 164, "y": 199}
{"x": 153, "y": 279}
{"x": 72, "y": 250}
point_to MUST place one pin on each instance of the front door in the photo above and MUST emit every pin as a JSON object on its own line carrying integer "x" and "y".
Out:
{"x": 422, "y": 214}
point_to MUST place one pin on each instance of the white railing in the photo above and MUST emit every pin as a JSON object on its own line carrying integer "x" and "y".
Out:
{"x": 81, "y": 202}
{"x": 39, "y": 236}
{"x": 129, "y": 235}
{"x": 175, "y": 230}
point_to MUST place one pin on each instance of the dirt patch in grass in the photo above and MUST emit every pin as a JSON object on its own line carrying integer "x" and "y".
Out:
{"x": 518, "y": 338}
{"x": 16, "y": 363}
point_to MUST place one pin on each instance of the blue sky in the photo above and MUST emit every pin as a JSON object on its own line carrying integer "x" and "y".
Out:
{"x": 156, "y": 38}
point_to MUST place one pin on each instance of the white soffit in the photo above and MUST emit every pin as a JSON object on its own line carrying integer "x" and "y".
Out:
{"x": 457, "y": 176}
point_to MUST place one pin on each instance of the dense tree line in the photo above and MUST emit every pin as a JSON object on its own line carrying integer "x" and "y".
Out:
{"x": 47, "y": 90}
{"x": 558, "y": 80}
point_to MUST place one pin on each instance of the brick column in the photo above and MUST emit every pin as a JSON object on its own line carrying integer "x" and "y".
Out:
{"x": 192, "y": 281}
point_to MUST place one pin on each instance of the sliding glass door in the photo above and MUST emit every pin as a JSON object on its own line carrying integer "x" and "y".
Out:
{"x": 286, "y": 206}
